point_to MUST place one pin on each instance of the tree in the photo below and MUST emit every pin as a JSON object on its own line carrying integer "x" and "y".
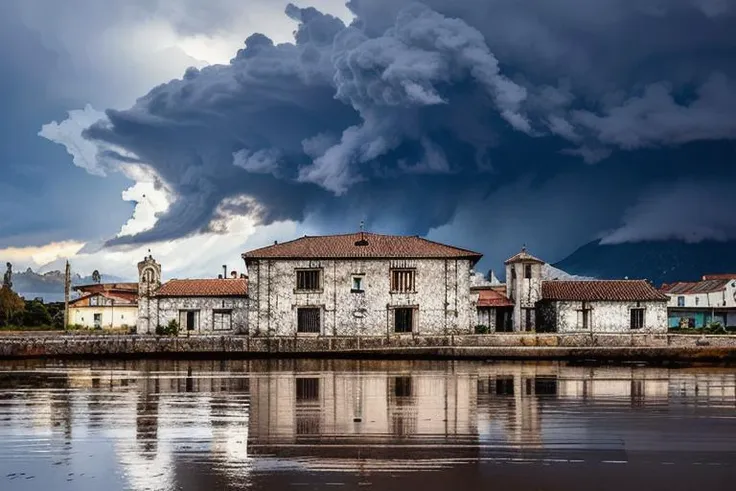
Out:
{"x": 96, "y": 276}
{"x": 11, "y": 305}
{"x": 8, "y": 277}
{"x": 36, "y": 314}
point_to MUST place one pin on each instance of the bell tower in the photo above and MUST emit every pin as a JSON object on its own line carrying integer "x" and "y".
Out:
{"x": 524, "y": 288}
{"x": 149, "y": 280}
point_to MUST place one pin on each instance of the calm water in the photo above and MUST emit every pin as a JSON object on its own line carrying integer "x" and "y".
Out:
{"x": 209, "y": 425}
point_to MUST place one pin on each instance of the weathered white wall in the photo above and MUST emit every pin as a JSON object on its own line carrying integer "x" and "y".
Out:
{"x": 442, "y": 296}
{"x": 524, "y": 292}
{"x": 486, "y": 316}
{"x": 168, "y": 308}
{"x": 611, "y": 316}
{"x": 724, "y": 298}
{"x": 115, "y": 317}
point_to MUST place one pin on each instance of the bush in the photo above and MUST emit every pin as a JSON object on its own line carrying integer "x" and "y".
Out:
{"x": 170, "y": 329}
{"x": 482, "y": 329}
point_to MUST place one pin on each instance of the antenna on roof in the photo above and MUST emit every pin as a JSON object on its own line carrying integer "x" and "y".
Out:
{"x": 523, "y": 248}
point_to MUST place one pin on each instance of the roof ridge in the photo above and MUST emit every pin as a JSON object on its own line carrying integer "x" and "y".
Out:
{"x": 446, "y": 245}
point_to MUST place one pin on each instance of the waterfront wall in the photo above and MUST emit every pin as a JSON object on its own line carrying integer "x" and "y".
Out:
{"x": 644, "y": 347}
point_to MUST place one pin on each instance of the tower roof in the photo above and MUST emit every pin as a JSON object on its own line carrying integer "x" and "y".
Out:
{"x": 523, "y": 257}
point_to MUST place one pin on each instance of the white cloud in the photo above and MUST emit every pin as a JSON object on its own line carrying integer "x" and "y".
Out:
{"x": 36, "y": 256}
{"x": 69, "y": 134}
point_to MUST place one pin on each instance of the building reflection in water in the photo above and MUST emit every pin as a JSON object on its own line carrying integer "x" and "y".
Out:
{"x": 166, "y": 419}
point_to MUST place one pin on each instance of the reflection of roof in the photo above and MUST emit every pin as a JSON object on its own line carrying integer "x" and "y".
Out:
{"x": 221, "y": 287}
{"x": 601, "y": 290}
{"x": 684, "y": 287}
{"x": 374, "y": 246}
{"x": 493, "y": 298}
{"x": 523, "y": 256}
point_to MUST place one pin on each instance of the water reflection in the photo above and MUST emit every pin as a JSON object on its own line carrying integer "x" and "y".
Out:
{"x": 229, "y": 424}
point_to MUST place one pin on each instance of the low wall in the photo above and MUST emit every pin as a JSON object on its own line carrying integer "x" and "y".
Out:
{"x": 645, "y": 347}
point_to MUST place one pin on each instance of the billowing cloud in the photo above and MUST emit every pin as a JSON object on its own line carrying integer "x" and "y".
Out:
{"x": 439, "y": 115}
{"x": 684, "y": 211}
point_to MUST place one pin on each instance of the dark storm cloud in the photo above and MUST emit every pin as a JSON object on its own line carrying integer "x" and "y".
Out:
{"x": 421, "y": 109}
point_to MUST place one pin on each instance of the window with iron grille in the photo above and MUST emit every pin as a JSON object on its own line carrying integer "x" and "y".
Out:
{"x": 637, "y": 318}
{"x": 307, "y": 389}
{"x": 402, "y": 280}
{"x": 403, "y": 320}
{"x": 308, "y": 279}
{"x": 308, "y": 320}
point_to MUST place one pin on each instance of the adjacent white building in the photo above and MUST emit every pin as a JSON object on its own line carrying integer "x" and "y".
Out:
{"x": 105, "y": 306}
{"x": 699, "y": 303}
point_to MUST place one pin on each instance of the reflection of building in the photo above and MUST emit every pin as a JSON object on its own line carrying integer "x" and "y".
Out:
{"x": 700, "y": 303}
{"x": 372, "y": 406}
{"x": 105, "y": 305}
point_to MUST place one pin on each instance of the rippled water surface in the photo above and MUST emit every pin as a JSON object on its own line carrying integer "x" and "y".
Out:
{"x": 308, "y": 424}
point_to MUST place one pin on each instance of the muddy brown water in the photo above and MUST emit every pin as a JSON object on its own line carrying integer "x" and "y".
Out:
{"x": 395, "y": 425}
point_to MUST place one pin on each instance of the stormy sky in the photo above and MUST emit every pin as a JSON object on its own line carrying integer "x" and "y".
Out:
{"x": 201, "y": 129}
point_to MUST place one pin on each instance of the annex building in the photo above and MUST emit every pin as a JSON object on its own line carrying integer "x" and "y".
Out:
{"x": 701, "y": 303}
{"x": 105, "y": 306}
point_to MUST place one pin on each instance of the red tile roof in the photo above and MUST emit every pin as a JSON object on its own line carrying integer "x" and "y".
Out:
{"x": 230, "y": 287}
{"x": 685, "y": 287}
{"x": 99, "y": 287}
{"x": 601, "y": 290}
{"x": 347, "y": 247}
{"x": 493, "y": 298}
{"x": 523, "y": 256}
{"x": 722, "y": 276}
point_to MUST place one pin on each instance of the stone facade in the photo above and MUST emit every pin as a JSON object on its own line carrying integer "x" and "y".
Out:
{"x": 440, "y": 301}
{"x": 232, "y": 319}
{"x": 149, "y": 280}
{"x": 603, "y": 317}
{"x": 524, "y": 288}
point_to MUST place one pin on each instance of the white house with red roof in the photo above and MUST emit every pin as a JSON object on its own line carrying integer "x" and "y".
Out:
{"x": 105, "y": 306}
{"x": 360, "y": 284}
{"x": 694, "y": 304}
{"x": 199, "y": 306}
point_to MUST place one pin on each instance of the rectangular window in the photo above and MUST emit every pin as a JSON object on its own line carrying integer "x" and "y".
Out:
{"x": 97, "y": 320}
{"x": 222, "y": 321}
{"x": 527, "y": 320}
{"x": 307, "y": 389}
{"x": 403, "y": 320}
{"x": 528, "y": 271}
{"x": 402, "y": 387}
{"x": 637, "y": 318}
{"x": 357, "y": 284}
{"x": 584, "y": 317}
{"x": 308, "y": 279}
{"x": 308, "y": 320}
{"x": 680, "y": 301}
{"x": 402, "y": 280}
{"x": 505, "y": 386}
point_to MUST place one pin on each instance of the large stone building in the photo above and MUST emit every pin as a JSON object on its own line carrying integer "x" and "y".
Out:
{"x": 199, "y": 306}
{"x": 544, "y": 305}
{"x": 700, "y": 303}
{"x": 360, "y": 284}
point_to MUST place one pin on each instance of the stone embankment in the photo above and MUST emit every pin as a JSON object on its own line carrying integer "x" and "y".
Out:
{"x": 603, "y": 347}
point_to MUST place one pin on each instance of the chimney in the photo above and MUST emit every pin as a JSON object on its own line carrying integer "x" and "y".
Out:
{"x": 242, "y": 275}
{"x": 219, "y": 276}
{"x": 275, "y": 242}
{"x": 233, "y": 274}
{"x": 224, "y": 271}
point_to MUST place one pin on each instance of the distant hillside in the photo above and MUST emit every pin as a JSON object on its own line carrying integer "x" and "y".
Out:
{"x": 660, "y": 262}
{"x": 50, "y": 286}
